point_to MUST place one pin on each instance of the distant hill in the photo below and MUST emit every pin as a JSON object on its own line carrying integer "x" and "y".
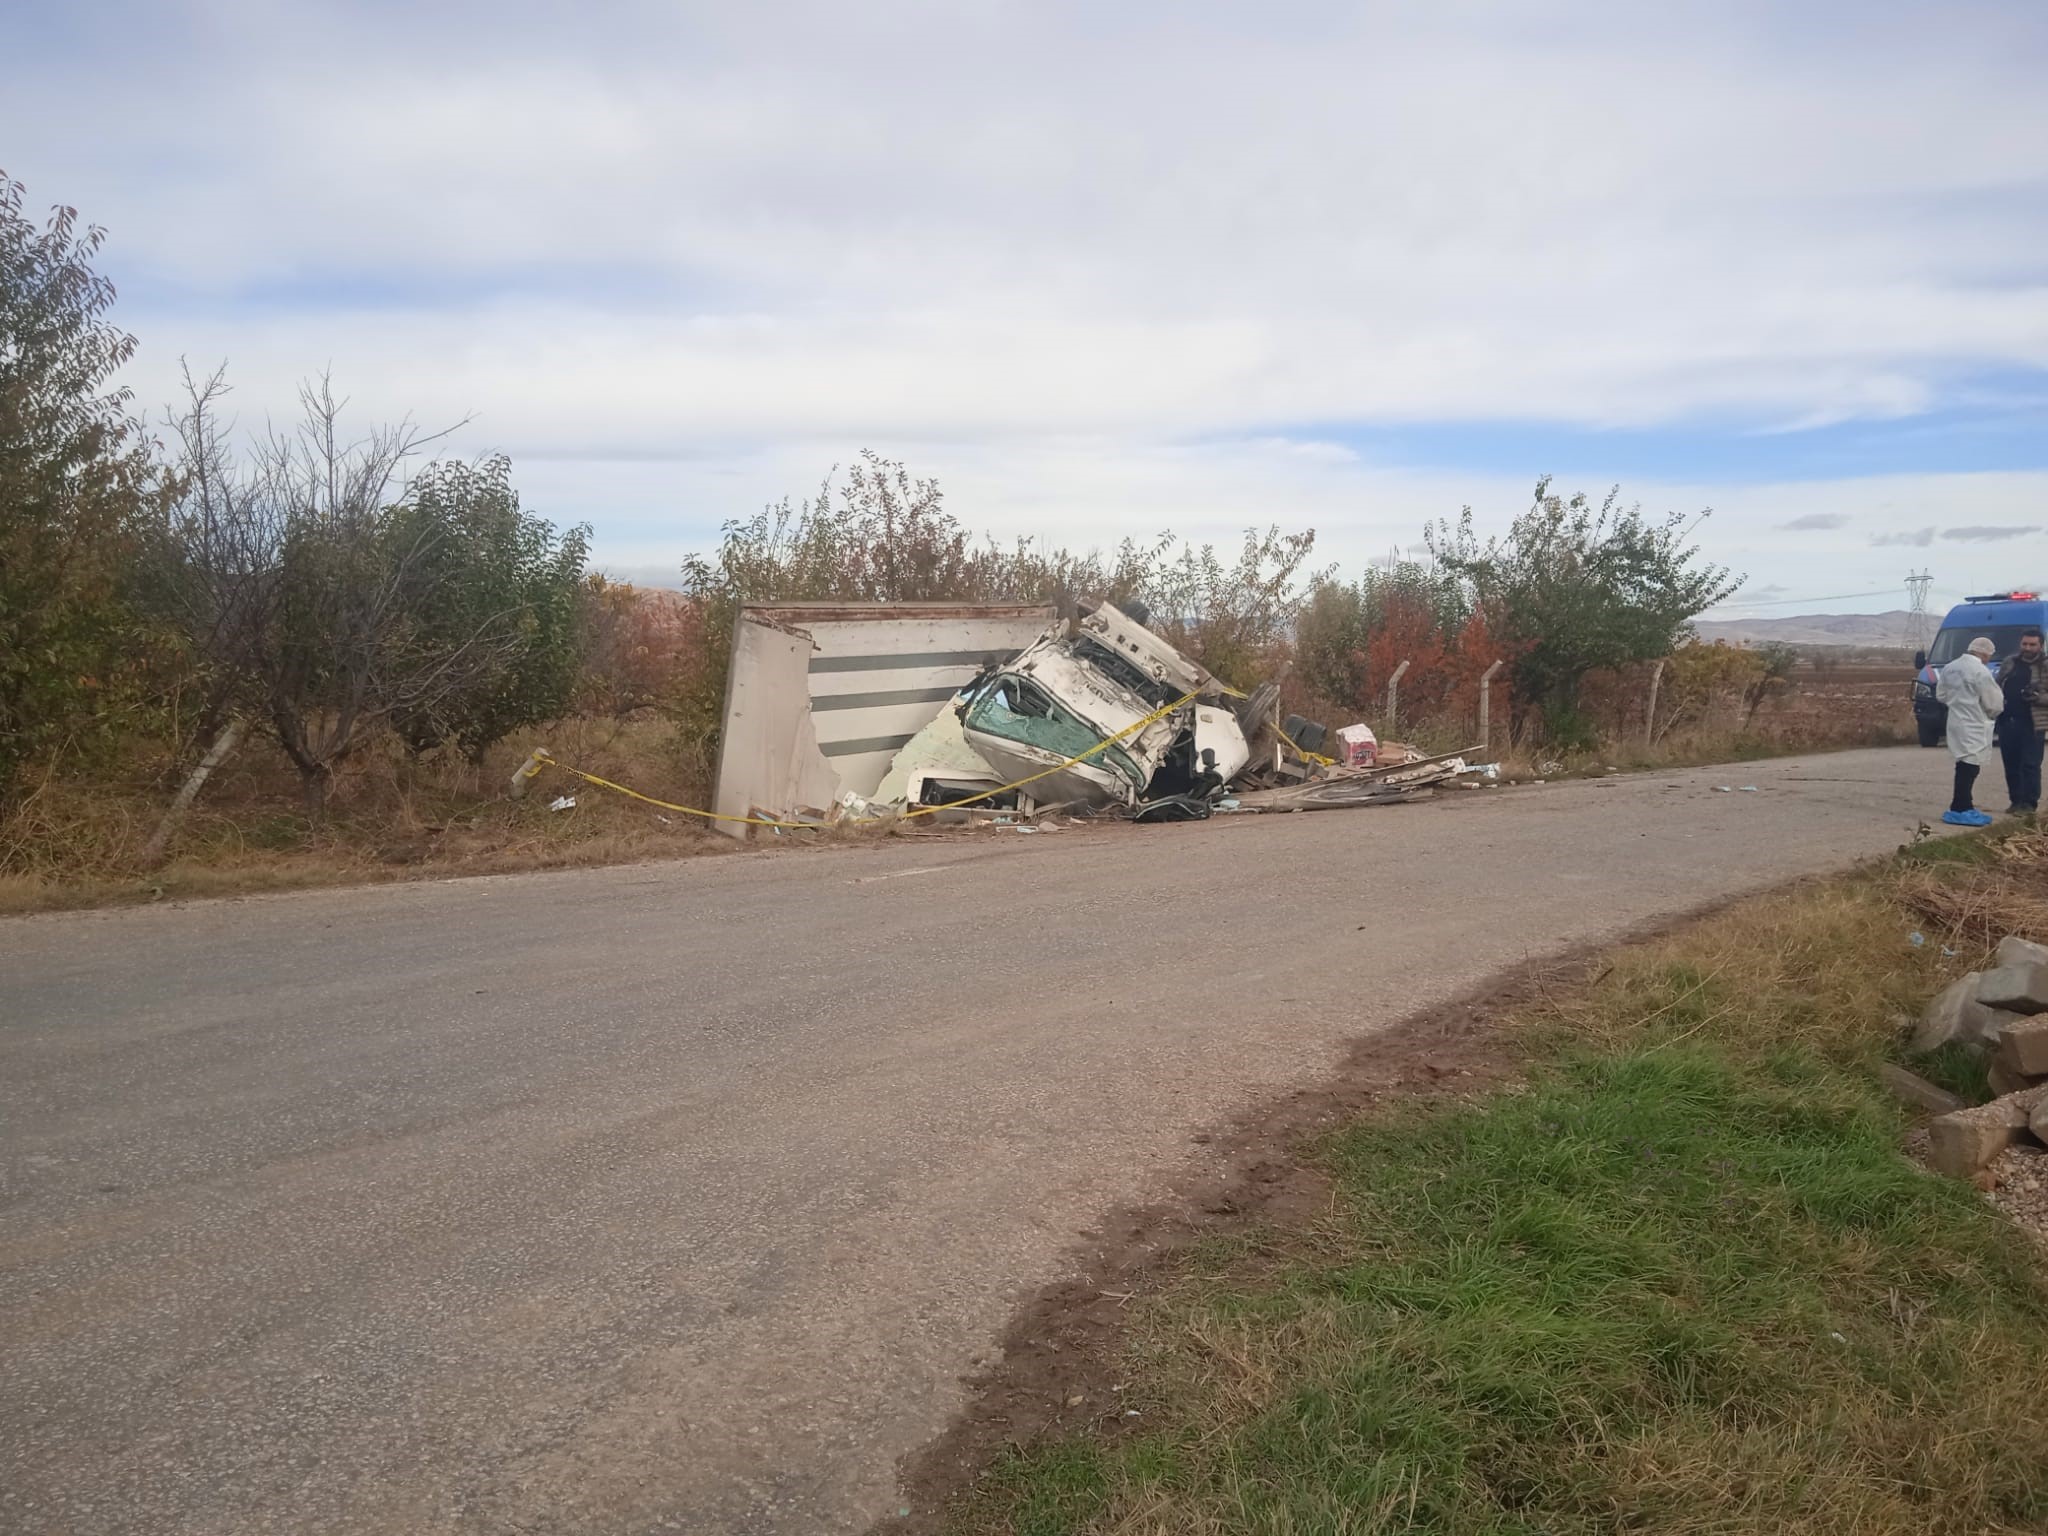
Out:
{"x": 1861, "y": 631}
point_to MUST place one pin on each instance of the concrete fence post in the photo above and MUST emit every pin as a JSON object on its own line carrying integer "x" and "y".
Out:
{"x": 1486, "y": 705}
{"x": 526, "y": 770}
{"x": 159, "y": 843}
{"x": 1394, "y": 697}
{"x": 1650, "y": 714}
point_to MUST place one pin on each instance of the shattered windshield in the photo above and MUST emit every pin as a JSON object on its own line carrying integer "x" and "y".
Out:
{"x": 1013, "y": 709}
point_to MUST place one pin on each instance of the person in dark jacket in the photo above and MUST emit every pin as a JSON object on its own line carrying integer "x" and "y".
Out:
{"x": 2023, "y": 679}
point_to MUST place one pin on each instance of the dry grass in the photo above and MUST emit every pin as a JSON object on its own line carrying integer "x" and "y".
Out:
{"x": 390, "y": 818}
{"x": 1683, "y": 1282}
{"x": 1976, "y": 904}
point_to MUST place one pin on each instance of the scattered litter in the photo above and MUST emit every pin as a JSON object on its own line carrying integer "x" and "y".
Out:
{"x": 1553, "y": 766}
{"x": 1357, "y": 746}
{"x": 1179, "y": 808}
{"x": 1026, "y": 829}
{"x": 1949, "y": 954}
{"x": 667, "y": 821}
{"x": 1749, "y": 789}
{"x": 562, "y": 803}
{"x": 1916, "y": 939}
{"x": 1724, "y": 789}
{"x": 1838, "y": 1338}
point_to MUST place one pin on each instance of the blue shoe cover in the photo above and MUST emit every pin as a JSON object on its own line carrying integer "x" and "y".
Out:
{"x": 1966, "y": 818}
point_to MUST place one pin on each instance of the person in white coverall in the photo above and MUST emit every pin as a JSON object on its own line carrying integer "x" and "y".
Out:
{"x": 1971, "y": 693}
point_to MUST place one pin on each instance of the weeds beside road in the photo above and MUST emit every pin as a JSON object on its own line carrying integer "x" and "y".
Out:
{"x": 77, "y": 844}
{"x": 1677, "y": 1278}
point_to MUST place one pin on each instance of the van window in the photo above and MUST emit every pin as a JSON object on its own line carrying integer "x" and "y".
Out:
{"x": 1951, "y": 643}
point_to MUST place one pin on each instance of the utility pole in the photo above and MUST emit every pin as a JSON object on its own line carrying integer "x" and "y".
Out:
{"x": 1917, "y": 584}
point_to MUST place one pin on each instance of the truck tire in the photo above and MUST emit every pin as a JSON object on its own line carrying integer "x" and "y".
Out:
{"x": 1930, "y": 733}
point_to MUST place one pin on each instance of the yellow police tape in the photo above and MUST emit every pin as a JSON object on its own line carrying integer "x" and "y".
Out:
{"x": 1302, "y": 752}
{"x": 541, "y": 757}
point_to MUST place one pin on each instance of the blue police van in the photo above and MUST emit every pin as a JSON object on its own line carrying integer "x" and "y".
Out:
{"x": 2004, "y": 616}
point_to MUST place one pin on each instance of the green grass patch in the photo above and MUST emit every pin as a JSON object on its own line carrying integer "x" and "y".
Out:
{"x": 1972, "y": 850}
{"x": 1964, "y": 1070}
{"x": 1684, "y": 1282}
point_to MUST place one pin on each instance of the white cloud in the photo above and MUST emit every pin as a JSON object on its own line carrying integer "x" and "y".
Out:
{"x": 1980, "y": 534}
{"x": 1096, "y": 267}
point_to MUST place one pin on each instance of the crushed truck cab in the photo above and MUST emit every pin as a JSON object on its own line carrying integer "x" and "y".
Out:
{"x": 1091, "y": 678}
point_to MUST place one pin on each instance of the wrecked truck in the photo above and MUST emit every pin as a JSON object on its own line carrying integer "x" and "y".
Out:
{"x": 1092, "y": 677}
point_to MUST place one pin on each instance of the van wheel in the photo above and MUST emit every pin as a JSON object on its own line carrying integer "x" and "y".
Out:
{"x": 1930, "y": 733}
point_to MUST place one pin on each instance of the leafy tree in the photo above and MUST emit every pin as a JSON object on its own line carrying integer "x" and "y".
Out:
{"x": 1230, "y": 618}
{"x": 313, "y": 595}
{"x": 487, "y": 569}
{"x": 881, "y": 534}
{"x": 638, "y": 647}
{"x": 77, "y": 481}
{"x": 1572, "y": 588}
{"x": 1352, "y": 635}
{"x": 1775, "y": 664}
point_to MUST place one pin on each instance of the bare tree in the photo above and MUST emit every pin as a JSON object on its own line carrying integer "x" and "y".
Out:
{"x": 300, "y": 591}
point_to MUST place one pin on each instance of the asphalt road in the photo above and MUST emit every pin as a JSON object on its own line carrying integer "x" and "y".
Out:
{"x": 678, "y": 1197}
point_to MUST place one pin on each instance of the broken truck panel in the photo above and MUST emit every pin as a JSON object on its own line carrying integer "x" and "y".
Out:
{"x": 1218, "y": 731}
{"x": 938, "y": 751}
{"x": 822, "y": 696}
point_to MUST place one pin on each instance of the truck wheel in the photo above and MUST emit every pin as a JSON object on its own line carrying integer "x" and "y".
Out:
{"x": 1930, "y": 733}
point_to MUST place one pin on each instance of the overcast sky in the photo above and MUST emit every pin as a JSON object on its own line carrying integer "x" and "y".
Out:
{"x": 1108, "y": 269}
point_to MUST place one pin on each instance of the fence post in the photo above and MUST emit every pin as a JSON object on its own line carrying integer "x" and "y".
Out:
{"x": 159, "y": 842}
{"x": 1394, "y": 697}
{"x": 1486, "y": 705}
{"x": 526, "y": 770}
{"x": 1650, "y": 714}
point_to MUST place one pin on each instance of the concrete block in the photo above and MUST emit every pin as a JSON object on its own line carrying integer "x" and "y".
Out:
{"x": 1984, "y": 1025}
{"x": 2023, "y": 1047}
{"x": 2018, "y": 951}
{"x": 2015, "y": 988}
{"x": 1959, "y": 1144}
{"x": 2038, "y": 1122}
{"x": 1943, "y": 1020}
{"x": 2005, "y": 1078}
{"x": 1911, "y": 1088}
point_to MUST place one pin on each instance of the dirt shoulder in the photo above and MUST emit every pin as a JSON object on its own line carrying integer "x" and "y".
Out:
{"x": 1063, "y": 1357}
{"x": 1141, "y": 1393}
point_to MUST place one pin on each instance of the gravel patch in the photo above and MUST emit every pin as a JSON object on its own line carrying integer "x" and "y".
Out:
{"x": 2019, "y": 1187}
